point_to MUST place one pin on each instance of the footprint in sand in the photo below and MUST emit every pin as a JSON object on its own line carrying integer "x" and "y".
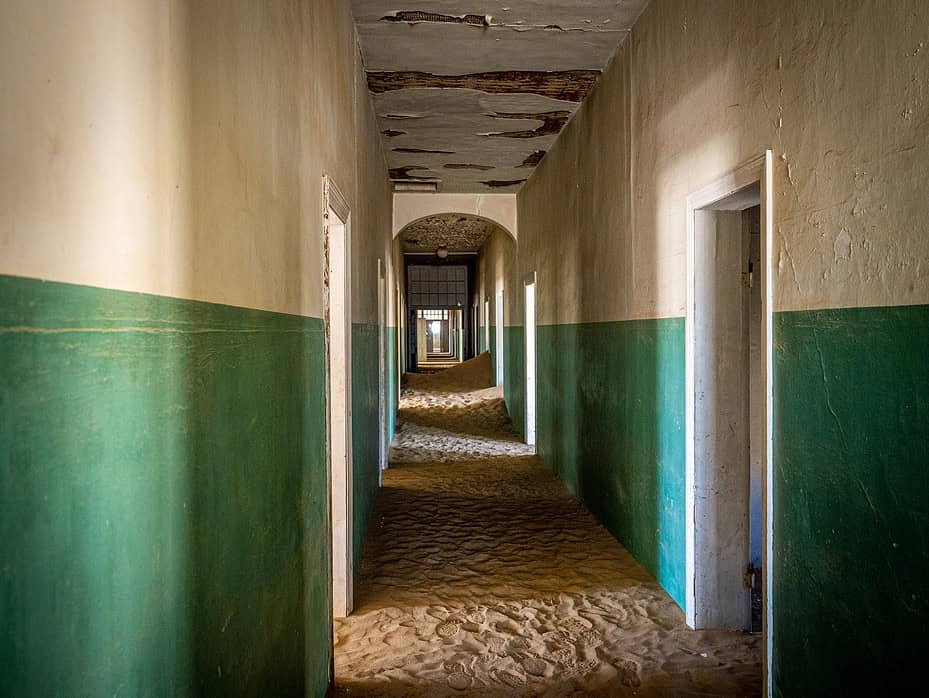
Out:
{"x": 447, "y": 629}
{"x": 454, "y": 667}
{"x": 557, "y": 636}
{"x": 459, "y": 681}
{"x": 535, "y": 666}
{"x": 477, "y": 617}
{"x": 511, "y": 679}
{"x": 589, "y": 638}
{"x": 495, "y": 645}
{"x": 518, "y": 645}
{"x": 628, "y": 671}
{"x": 566, "y": 657}
{"x": 574, "y": 625}
{"x": 581, "y": 668}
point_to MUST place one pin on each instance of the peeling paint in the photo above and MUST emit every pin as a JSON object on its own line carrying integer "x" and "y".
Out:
{"x": 552, "y": 123}
{"x": 418, "y": 16}
{"x": 467, "y": 166}
{"x": 842, "y": 246}
{"x": 455, "y": 231}
{"x": 452, "y": 67}
{"x": 533, "y": 159}
{"x": 423, "y": 150}
{"x": 566, "y": 85}
{"x": 501, "y": 183}
{"x": 404, "y": 173}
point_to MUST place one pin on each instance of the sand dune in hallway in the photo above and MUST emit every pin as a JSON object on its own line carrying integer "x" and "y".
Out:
{"x": 483, "y": 576}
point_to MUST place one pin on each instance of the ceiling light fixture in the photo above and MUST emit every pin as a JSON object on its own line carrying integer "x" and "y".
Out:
{"x": 442, "y": 252}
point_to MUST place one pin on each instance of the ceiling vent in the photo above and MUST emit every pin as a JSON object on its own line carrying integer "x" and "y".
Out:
{"x": 419, "y": 186}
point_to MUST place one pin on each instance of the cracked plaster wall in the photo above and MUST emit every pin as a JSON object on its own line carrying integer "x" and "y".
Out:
{"x": 168, "y": 150}
{"x": 838, "y": 91}
{"x": 702, "y": 87}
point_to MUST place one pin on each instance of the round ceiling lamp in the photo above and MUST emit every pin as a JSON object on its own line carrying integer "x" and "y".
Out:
{"x": 442, "y": 252}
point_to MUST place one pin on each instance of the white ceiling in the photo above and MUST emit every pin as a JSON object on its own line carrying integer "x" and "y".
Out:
{"x": 428, "y": 65}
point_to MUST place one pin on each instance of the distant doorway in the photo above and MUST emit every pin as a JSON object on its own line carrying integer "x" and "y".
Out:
{"x": 339, "y": 361}
{"x": 439, "y": 339}
{"x": 530, "y": 363}
{"x": 728, "y": 414}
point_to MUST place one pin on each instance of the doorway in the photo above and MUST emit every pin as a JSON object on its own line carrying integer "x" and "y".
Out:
{"x": 476, "y": 323}
{"x": 499, "y": 337}
{"x": 530, "y": 362}
{"x": 486, "y": 325}
{"x": 439, "y": 339}
{"x": 381, "y": 367}
{"x": 728, "y": 412}
{"x": 339, "y": 360}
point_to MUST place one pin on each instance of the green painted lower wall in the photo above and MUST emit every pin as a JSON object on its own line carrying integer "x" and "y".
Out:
{"x": 162, "y": 473}
{"x": 365, "y": 433}
{"x": 851, "y": 476}
{"x": 514, "y": 375}
{"x": 611, "y": 423}
{"x": 851, "y": 501}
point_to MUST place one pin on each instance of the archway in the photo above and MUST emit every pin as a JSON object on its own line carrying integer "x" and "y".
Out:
{"x": 443, "y": 286}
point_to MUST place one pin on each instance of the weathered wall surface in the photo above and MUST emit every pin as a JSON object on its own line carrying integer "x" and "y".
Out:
{"x": 498, "y": 270}
{"x": 372, "y": 255}
{"x": 163, "y": 468}
{"x": 843, "y": 109}
{"x": 699, "y": 88}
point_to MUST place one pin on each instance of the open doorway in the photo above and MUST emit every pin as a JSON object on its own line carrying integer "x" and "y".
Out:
{"x": 439, "y": 339}
{"x": 499, "y": 337}
{"x": 530, "y": 362}
{"x": 381, "y": 367}
{"x": 486, "y": 325}
{"x": 339, "y": 360}
{"x": 729, "y": 404}
{"x": 476, "y": 324}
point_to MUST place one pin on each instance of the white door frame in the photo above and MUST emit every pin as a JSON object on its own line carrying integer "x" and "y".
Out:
{"x": 486, "y": 324}
{"x": 381, "y": 367}
{"x": 530, "y": 343}
{"x": 758, "y": 170}
{"x": 338, "y": 292}
{"x": 499, "y": 312}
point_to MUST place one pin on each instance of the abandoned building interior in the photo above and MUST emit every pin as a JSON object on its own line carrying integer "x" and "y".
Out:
{"x": 563, "y": 347}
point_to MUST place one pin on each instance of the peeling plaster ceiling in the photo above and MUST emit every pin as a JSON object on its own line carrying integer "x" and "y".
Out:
{"x": 456, "y": 231}
{"x": 474, "y": 96}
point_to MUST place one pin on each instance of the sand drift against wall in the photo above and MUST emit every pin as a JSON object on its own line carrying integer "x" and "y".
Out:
{"x": 483, "y": 576}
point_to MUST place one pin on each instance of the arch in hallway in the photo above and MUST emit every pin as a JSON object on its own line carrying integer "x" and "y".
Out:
{"x": 495, "y": 208}
{"x": 458, "y": 231}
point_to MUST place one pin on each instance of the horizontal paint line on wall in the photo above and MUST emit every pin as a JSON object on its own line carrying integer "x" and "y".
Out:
{"x": 184, "y": 468}
{"x": 683, "y": 317}
{"x": 36, "y": 306}
{"x": 9, "y": 307}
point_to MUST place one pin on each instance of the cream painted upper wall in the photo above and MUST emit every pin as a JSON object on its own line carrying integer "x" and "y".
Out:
{"x": 178, "y": 147}
{"x": 500, "y": 208}
{"x": 704, "y": 86}
{"x": 498, "y": 267}
{"x": 94, "y": 142}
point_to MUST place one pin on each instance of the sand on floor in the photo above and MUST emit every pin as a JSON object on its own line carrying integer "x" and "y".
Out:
{"x": 482, "y": 575}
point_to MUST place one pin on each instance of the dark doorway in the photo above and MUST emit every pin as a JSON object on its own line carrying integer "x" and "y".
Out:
{"x": 440, "y": 312}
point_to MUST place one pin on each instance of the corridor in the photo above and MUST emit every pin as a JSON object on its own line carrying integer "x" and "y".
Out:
{"x": 511, "y": 347}
{"x": 482, "y": 575}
